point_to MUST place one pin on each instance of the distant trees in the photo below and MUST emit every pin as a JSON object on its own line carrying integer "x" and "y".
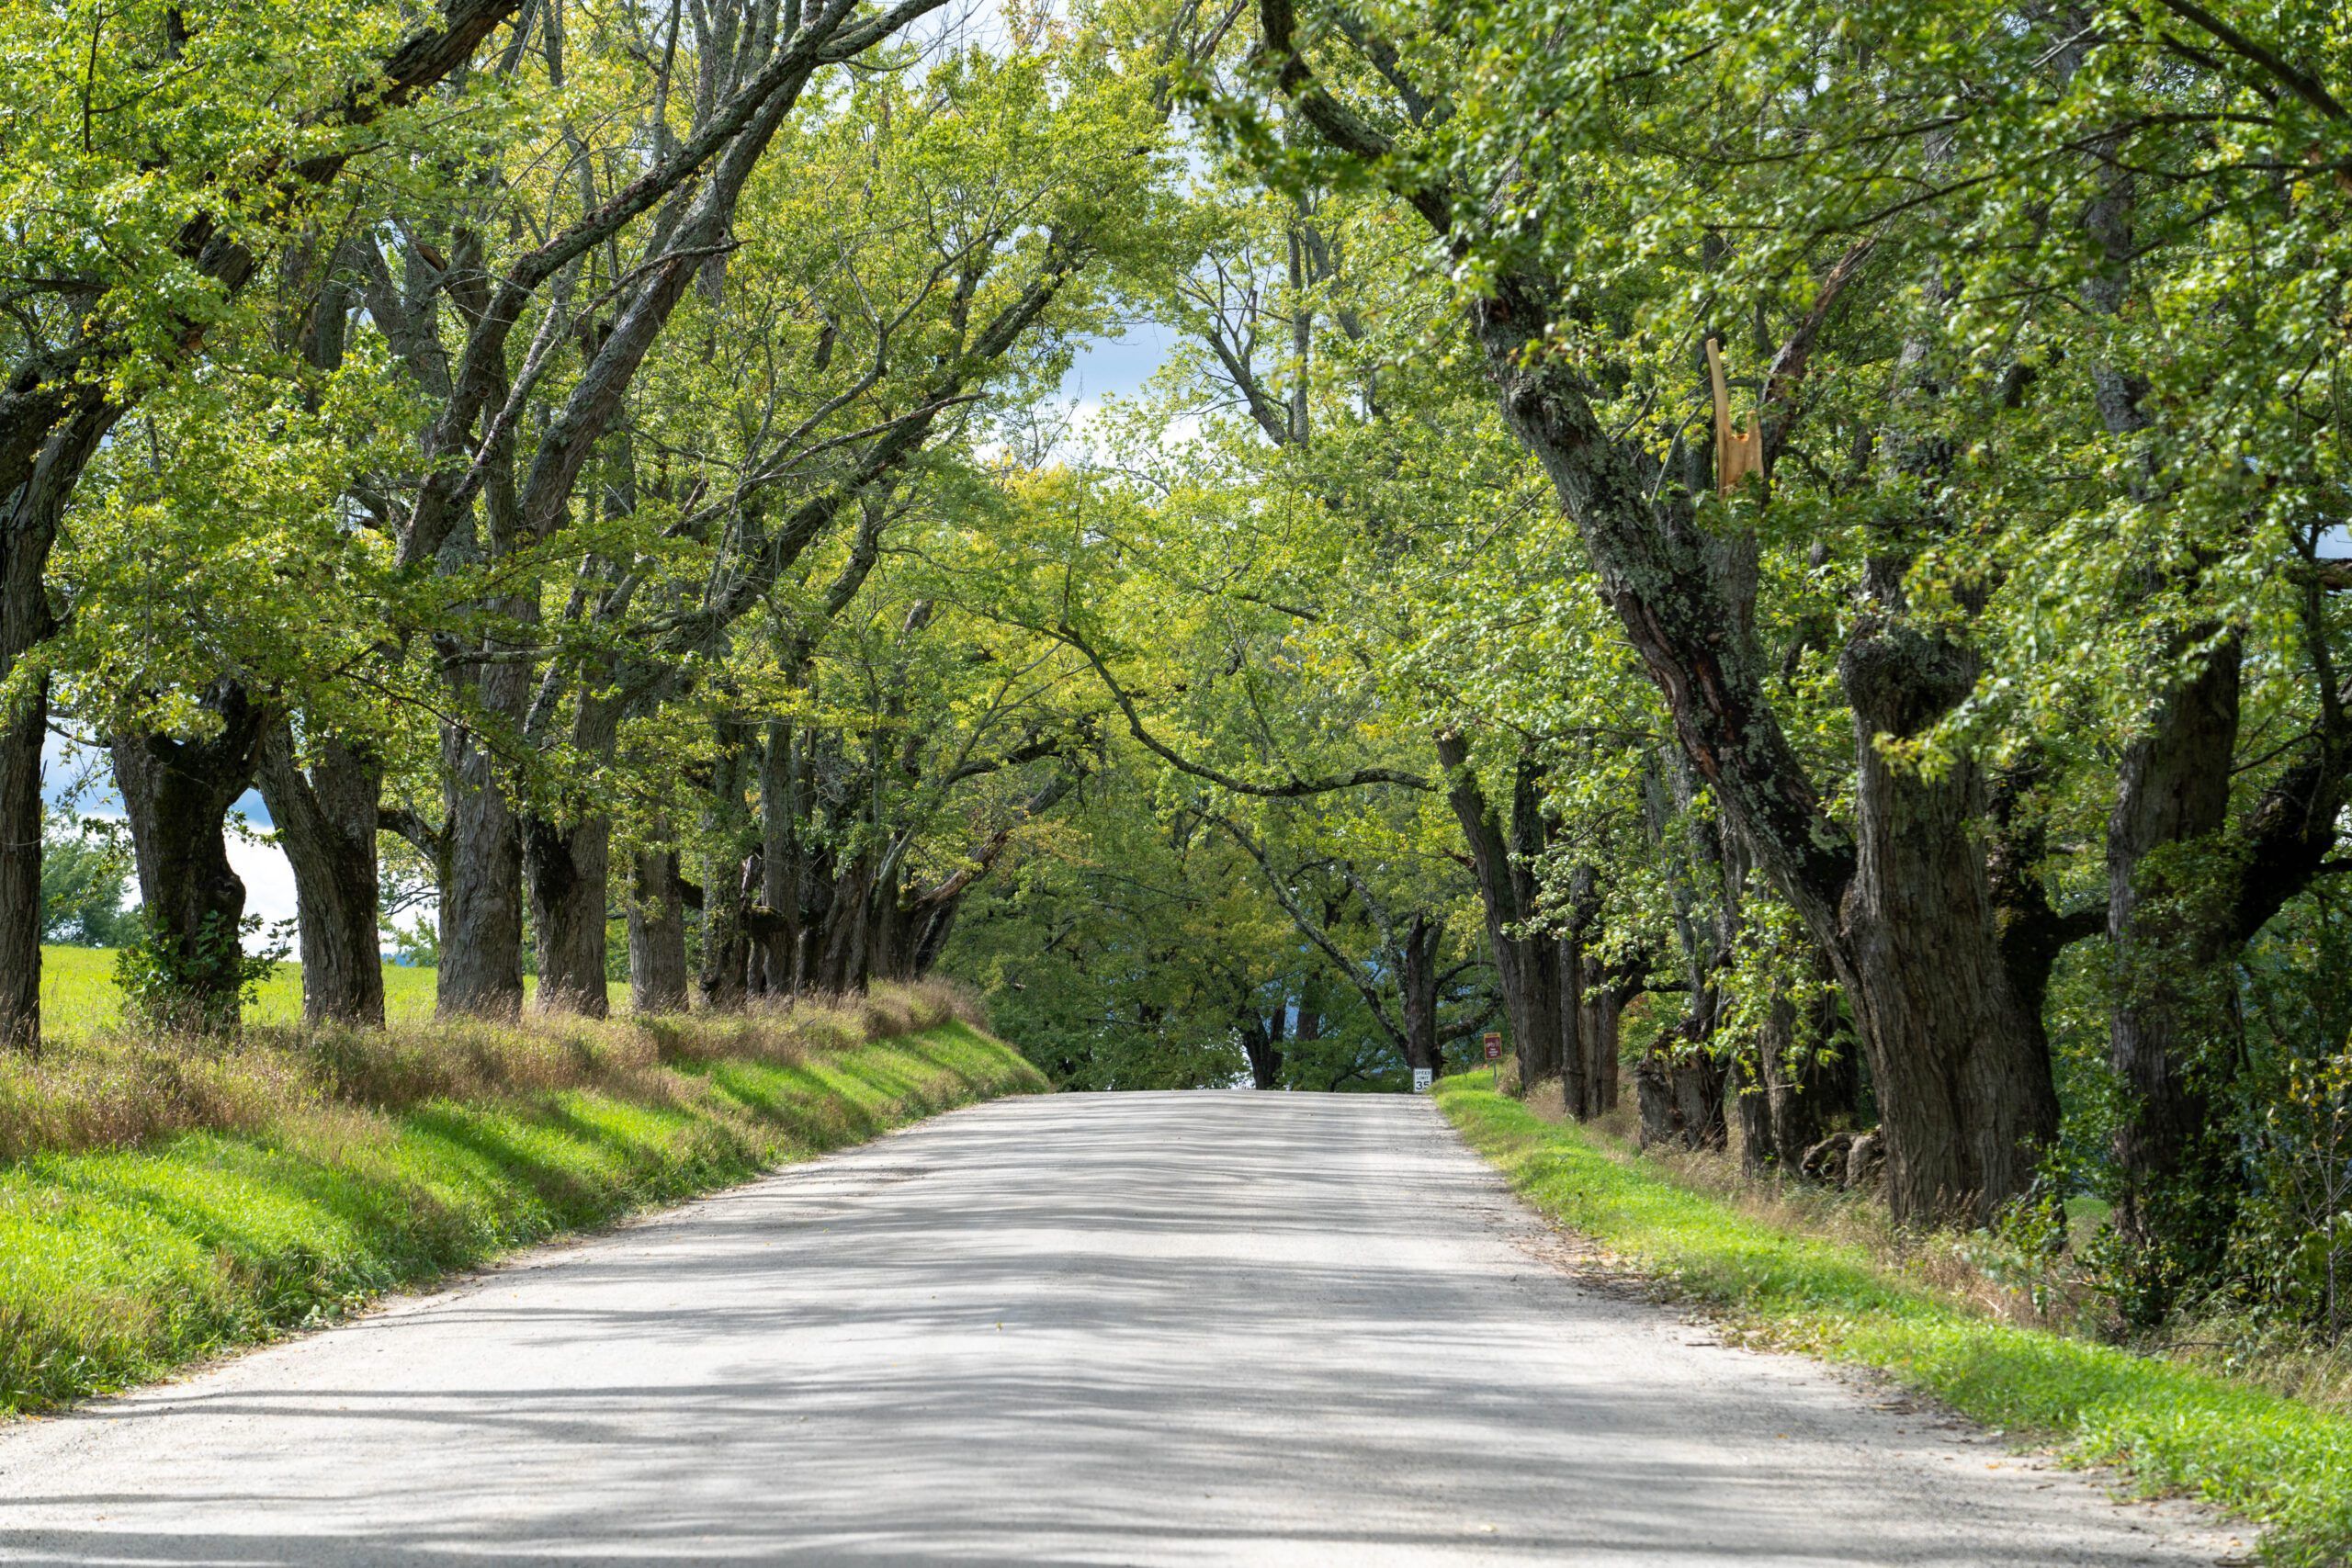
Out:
{"x": 84, "y": 887}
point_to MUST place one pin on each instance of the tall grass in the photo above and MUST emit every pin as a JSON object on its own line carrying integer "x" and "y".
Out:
{"x": 118, "y": 1086}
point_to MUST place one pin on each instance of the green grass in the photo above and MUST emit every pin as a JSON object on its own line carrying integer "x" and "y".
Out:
{"x": 78, "y": 993}
{"x": 2172, "y": 1430}
{"x": 118, "y": 1264}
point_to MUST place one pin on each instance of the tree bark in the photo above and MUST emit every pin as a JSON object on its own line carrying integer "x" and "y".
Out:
{"x": 2173, "y": 1015}
{"x": 481, "y": 892}
{"x": 1587, "y": 1062}
{"x": 1679, "y": 1086}
{"x": 1681, "y": 1078}
{"x": 729, "y": 872}
{"x": 657, "y": 936}
{"x": 39, "y": 468}
{"x": 1751, "y": 1106}
{"x": 1261, "y": 1043}
{"x": 568, "y": 868}
{"x": 1962, "y": 1067}
{"x": 326, "y": 821}
{"x": 1416, "y": 979}
{"x": 1601, "y": 1027}
{"x": 1527, "y": 963}
{"x": 783, "y": 860}
{"x": 24, "y": 725}
{"x": 566, "y": 858}
{"x": 177, "y": 794}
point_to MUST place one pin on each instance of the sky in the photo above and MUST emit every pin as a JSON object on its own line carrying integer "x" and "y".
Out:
{"x": 78, "y": 778}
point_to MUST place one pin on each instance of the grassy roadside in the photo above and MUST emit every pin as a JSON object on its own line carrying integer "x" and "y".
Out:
{"x": 2283, "y": 1464}
{"x": 123, "y": 1259}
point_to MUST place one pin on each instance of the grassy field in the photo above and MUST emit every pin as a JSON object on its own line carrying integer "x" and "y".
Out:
{"x": 164, "y": 1203}
{"x": 78, "y": 994}
{"x": 2171, "y": 1429}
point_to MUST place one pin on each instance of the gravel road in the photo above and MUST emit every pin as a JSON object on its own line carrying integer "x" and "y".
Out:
{"x": 1141, "y": 1328}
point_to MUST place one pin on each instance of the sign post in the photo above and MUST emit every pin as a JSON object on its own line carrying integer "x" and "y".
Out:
{"x": 1494, "y": 1058}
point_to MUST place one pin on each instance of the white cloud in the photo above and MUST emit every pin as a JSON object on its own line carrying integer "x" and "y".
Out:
{"x": 268, "y": 877}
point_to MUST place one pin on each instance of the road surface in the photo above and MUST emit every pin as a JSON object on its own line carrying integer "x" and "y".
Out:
{"x": 1176, "y": 1328}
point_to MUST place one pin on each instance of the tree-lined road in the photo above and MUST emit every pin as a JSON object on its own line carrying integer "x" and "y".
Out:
{"x": 1180, "y": 1329}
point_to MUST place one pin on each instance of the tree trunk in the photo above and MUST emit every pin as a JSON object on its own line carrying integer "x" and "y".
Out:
{"x": 1261, "y": 1043}
{"x": 568, "y": 871}
{"x": 1680, "y": 1083}
{"x": 567, "y": 850}
{"x": 841, "y": 952}
{"x": 1965, "y": 1091}
{"x": 1527, "y": 963}
{"x": 1600, "y": 1036}
{"x": 40, "y": 462}
{"x": 728, "y": 873}
{"x": 1654, "y": 1103}
{"x": 657, "y": 936}
{"x": 1790, "y": 1090}
{"x": 783, "y": 861}
{"x": 1681, "y": 1078}
{"x": 2173, "y": 1014}
{"x": 1751, "y": 1107}
{"x": 1416, "y": 979}
{"x": 482, "y": 893}
{"x": 24, "y": 725}
{"x": 326, "y": 821}
{"x": 930, "y": 936}
{"x": 1571, "y": 1047}
{"x": 1311, "y": 995}
{"x": 177, "y": 794}
{"x": 726, "y": 944}
{"x": 1587, "y": 1064}
{"x": 1806, "y": 1087}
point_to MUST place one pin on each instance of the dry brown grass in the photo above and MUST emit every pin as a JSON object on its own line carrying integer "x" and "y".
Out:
{"x": 1986, "y": 1275}
{"x": 2282, "y": 1361}
{"x": 118, "y": 1088}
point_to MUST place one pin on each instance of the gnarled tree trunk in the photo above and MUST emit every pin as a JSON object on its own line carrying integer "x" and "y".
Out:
{"x": 569, "y": 870}
{"x": 1962, "y": 1065}
{"x": 326, "y": 819}
{"x": 177, "y": 794}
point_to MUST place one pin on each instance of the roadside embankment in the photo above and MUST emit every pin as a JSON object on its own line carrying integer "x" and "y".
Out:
{"x": 2171, "y": 1429}
{"x": 165, "y": 1200}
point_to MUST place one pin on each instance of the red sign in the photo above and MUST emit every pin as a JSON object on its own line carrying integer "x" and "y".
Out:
{"x": 1494, "y": 1046}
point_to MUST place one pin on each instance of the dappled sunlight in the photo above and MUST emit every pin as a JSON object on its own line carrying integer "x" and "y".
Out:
{"x": 1172, "y": 1328}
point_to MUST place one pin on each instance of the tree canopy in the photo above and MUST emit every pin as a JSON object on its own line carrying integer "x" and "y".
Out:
{"x": 1786, "y": 557}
